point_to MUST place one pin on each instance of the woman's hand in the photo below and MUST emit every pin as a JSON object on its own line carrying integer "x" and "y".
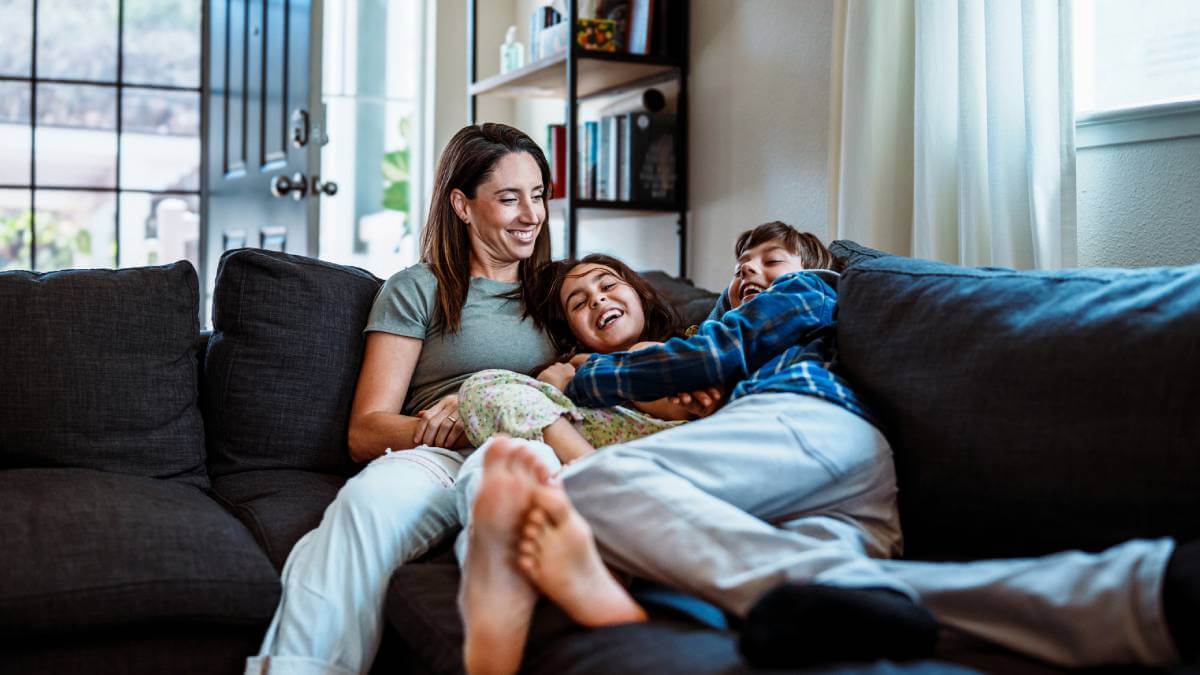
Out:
{"x": 700, "y": 403}
{"x": 439, "y": 426}
{"x": 558, "y": 375}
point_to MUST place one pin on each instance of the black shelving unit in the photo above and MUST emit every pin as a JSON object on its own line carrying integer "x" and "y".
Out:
{"x": 577, "y": 75}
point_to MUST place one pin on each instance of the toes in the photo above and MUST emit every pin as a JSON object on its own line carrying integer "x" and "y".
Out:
{"x": 528, "y": 565}
{"x": 537, "y": 517}
{"x": 553, "y": 500}
{"x": 531, "y": 531}
{"x": 528, "y": 548}
{"x": 498, "y": 452}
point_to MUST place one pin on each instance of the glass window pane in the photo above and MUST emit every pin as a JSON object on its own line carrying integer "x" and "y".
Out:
{"x": 16, "y": 47}
{"x": 1130, "y": 54}
{"x": 77, "y": 40}
{"x": 76, "y": 135}
{"x": 372, "y": 165}
{"x": 15, "y": 132}
{"x": 159, "y": 229}
{"x": 160, "y": 140}
{"x": 75, "y": 229}
{"x": 15, "y": 219}
{"x": 162, "y": 42}
{"x": 372, "y": 48}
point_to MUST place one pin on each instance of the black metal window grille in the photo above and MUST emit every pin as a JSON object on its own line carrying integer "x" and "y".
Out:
{"x": 119, "y": 84}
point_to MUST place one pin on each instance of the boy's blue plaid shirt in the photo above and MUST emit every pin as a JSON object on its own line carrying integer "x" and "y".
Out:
{"x": 781, "y": 341}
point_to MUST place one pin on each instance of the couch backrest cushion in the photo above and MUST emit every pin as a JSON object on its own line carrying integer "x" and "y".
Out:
{"x": 283, "y": 361}
{"x": 1031, "y": 411}
{"x": 853, "y": 253}
{"x": 98, "y": 371}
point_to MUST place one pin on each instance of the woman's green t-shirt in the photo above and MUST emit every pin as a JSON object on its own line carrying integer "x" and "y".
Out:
{"x": 493, "y": 334}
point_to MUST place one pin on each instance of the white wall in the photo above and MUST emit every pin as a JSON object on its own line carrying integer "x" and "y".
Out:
{"x": 1139, "y": 204}
{"x": 759, "y": 123}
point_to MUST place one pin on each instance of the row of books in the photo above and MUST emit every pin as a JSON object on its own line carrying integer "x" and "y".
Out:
{"x": 629, "y": 157}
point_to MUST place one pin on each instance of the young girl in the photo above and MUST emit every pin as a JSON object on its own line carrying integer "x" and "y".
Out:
{"x": 596, "y": 304}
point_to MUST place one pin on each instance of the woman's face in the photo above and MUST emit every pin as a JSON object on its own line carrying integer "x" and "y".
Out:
{"x": 604, "y": 312}
{"x": 507, "y": 212}
{"x": 758, "y": 268}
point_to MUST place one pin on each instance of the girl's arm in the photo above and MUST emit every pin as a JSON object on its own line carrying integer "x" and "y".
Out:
{"x": 375, "y": 421}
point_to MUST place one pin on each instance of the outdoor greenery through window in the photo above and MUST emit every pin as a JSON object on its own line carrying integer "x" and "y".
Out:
{"x": 99, "y": 132}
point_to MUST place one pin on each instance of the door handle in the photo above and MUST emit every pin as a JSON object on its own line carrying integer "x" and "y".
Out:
{"x": 297, "y": 186}
{"x": 328, "y": 188}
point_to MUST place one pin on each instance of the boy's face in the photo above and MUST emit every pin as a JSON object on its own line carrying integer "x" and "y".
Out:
{"x": 758, "y": 268}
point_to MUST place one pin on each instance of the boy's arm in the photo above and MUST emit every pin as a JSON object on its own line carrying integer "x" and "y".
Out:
{"x": 720, "y": 354}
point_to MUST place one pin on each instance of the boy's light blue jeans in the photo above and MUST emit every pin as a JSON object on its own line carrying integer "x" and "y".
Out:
{"x": 786, "y": 487}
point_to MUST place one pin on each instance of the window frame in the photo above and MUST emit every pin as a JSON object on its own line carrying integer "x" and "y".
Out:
{"x": 119, "y": 84}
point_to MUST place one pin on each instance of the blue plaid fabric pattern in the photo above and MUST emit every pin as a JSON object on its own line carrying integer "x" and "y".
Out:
{"x": 782, "y": 341}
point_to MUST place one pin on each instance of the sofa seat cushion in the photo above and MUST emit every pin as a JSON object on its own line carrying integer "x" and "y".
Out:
{"x": 422, "y": 610}
{"x": 99, "y": 371}
{"x": 87, "y": 549}
{"x": 1030, "y": 412}
{"x": 283, "y": 362}
{"x": 278, "y": 505}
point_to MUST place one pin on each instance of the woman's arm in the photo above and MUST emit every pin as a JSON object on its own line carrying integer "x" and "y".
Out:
{"x": 375, "y": 420}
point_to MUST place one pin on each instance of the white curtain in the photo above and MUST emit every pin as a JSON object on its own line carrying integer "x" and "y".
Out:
{"x": 952, "y": 134}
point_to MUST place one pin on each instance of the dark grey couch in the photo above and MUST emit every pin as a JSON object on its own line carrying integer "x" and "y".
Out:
{"x": 153, "y": 480}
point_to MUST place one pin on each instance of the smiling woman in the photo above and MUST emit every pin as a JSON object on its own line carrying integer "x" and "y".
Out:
{"x": 464, "y": 308}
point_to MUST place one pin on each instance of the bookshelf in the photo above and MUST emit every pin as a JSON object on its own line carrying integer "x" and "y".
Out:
{"x": 577, "y": 75}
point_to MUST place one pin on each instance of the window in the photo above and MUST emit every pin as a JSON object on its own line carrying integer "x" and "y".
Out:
{"x": 100, "y": 131}
{"x": 372, "y": 58}
{"x": 1137, "y": 70}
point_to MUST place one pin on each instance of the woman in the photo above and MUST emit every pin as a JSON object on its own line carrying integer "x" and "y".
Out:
{"x": 463, "y": 309}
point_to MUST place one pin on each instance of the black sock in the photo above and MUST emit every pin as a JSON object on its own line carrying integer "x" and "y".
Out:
{"x": 1181, "y": 599}
{"x": 803, "y": 624}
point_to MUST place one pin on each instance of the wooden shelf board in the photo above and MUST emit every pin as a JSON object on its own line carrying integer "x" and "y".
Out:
{"x": 547, "y": 78}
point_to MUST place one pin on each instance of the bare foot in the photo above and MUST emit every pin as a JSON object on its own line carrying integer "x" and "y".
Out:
{"x": 495, "y": 598}
{"x": 558, "y": 554}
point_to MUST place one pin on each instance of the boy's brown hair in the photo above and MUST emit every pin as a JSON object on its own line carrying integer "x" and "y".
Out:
{"x": 662, "y": 323}
{"x": 812, "y": 252}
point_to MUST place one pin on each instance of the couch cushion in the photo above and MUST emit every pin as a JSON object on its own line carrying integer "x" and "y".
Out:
{"x": 99, "y": 371}
{"x": 89, "y": 549}
{"x": 853, "y": 253}
{"x": 422, "y": 609}
{"x": 278, "y": 505}
{"x": 283, "y": 361}
{"x": 693, "y": 304}
{"x": 1030, "y": 412}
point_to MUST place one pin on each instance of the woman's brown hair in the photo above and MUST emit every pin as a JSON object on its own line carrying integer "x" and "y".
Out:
{"x": 812, "y": 252}
{"x": 469, "y": 158}
{"x": 662, "y": 323}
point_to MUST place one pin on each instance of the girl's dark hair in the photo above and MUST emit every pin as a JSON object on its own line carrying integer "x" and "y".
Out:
{"x": 468, "y": 160}
{"x": 812, "y": 252}
{"x": 662, "y": 323}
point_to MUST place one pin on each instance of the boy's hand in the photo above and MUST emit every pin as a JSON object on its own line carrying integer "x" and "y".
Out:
{"x": 700, "y": 403}
{"x": 559, "y": 375}
{"x": 578, "y": 360}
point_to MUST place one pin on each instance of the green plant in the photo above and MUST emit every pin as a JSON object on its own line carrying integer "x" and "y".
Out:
{"x": 56, "y": 244}
{"x": 397, "y": 184}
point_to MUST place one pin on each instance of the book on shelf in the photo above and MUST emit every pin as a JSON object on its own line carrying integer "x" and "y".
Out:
{"x": 556, "y": 141}
{"x": 588, "y": 136}
{"x": 630, "y": 158}
{"x": 641, "y": 14}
